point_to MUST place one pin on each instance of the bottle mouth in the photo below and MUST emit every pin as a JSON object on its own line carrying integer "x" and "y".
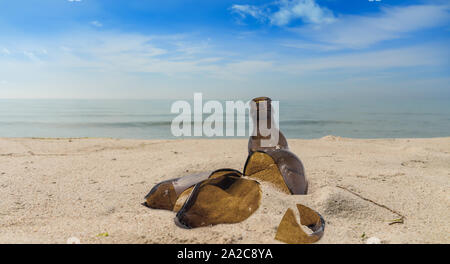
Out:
{"x": 262, "y": 104}
{"x": 262, "y": 99}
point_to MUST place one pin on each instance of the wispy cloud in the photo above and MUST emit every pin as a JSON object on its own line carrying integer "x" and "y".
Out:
{"x": 388, "y": 59}
{"x": 108, "y": 52}
{"x": 98, "y": 62}
{"x": 176, "y": 56}
{"x": 30, "y": 55}
{"x": 5, "y": 51}
{"x": 248, "y": 10}
{"x": 307, "y": 10}
{"x": 323, "y": 30}
{"x": 95, "y": 23}
{"x": 391, "y": 23}
{"x": 286, "y": 12}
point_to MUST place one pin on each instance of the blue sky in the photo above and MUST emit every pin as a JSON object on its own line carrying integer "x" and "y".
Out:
{"x": 225, "y": 49}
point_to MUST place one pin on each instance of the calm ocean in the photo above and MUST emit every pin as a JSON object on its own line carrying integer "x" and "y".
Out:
{"x": 151, "y": 119}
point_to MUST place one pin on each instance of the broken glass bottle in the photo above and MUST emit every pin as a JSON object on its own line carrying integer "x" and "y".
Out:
{"x": 269, "y": 156}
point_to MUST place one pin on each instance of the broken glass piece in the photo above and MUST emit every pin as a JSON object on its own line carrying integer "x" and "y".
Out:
{"x": 165, "y": 195}
{"x": 221, "y": 200}
{"x": 289, "y": 231}
{"x": 280, "y": 167}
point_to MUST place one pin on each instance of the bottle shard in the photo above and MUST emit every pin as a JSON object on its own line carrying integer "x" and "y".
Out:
{"x": 281, "y": 168}
{"x": 289, "y": 231}
{"x": 162, "y": 196}
{"x": 225, "y": 199}
{"x": 168, "y": 195}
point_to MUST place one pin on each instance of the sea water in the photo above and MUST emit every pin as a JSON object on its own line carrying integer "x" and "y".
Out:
{"x": 151, "y": 119}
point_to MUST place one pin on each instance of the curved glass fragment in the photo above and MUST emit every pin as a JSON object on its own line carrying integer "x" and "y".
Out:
{"x": 223, "y": 200}
{"x": 289, "y": 231}
{"x": 280, "y": 167}
{"x": 165, "y": 195}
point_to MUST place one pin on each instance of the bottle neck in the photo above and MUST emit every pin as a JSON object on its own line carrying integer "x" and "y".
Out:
{"x": 262, "y": 119}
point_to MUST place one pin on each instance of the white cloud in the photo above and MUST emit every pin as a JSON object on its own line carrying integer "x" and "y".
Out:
{"x": 101, "y": 63}
{"x": 5, "y": 51}
{"x": 248, "y": 10}
{"x": 96, "y": 23}
{"x": 106, "y": 52}
{"x": 73, "y": 0}
{"x": 287, "y": 11}
{"x": 113, "y": 44}
{"x": 416, "y": 56}
{"x": 325, "y": 31}
{"x": 309, "y": 46}
{"x": 30, "y": 55}
{"x": 307, "y": 10}
{"x": 390, "y": 23}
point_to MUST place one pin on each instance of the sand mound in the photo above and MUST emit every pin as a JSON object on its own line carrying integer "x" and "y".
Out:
{"x": 339, "y": 203}
{"x": 335, "y": 202}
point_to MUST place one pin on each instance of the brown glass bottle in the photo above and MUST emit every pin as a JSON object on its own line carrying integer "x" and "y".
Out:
{"x": 289, "y": 166}
{"x": 262, "y": 116}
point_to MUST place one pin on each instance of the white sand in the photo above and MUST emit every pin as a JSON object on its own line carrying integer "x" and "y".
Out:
{"x": 54, "y": 189}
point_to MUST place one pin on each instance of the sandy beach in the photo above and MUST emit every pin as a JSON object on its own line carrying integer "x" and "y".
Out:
{"x": 92, "y": 189}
